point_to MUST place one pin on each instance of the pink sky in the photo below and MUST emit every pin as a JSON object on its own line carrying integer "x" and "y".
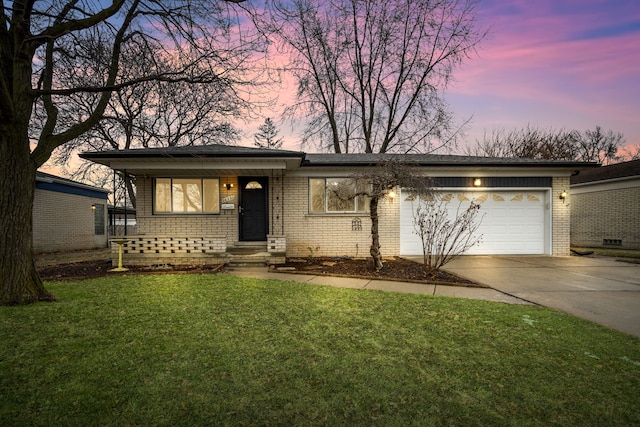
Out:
{"x": 570, "y": 64}
{"x": 565, "y": 64}
{"x": 562, "y": 64}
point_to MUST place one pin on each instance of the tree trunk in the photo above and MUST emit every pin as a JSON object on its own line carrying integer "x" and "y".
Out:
{"x": 19, "y": 280}
{"x": 376, "y": 255}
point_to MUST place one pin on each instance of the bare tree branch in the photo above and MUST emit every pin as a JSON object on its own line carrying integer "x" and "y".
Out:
{"x": 383, "y": 65}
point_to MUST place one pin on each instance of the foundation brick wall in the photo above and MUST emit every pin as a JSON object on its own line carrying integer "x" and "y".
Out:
{"x": 64, "y": 222}
{"x": 609, "y": 214}
{"x": 561, "y": 218}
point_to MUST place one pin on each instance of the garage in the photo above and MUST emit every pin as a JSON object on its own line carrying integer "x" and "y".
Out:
{"x": 512, "y": 222}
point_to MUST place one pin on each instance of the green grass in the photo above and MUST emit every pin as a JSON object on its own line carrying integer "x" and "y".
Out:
{"x": 223, "y": 350}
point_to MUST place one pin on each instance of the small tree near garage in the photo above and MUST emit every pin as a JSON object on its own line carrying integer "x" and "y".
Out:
{"x": 377, "y": 183}
{"x": 444, "y": 237}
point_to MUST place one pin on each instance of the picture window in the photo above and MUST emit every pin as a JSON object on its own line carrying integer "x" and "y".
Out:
{"x": 187, "y": 195}
{"x": 336, "y": 195}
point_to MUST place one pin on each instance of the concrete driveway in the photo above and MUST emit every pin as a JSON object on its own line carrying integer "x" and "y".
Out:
{"x": 602, "y": 290}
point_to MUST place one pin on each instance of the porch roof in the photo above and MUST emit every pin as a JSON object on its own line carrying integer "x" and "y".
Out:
{"x": 214, "y": 159}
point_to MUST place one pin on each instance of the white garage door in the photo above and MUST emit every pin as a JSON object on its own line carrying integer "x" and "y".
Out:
{"x": 513, "y": 222}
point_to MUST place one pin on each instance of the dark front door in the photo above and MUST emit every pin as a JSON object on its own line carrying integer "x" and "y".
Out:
{"x": 253, "y": 208}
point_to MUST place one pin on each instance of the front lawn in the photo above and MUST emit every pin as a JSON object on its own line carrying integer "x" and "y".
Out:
{"x": 224, "y": 350}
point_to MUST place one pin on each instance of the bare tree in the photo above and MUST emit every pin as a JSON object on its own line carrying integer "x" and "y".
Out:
{"x": 152, "y": 114}
{"x": 443, "y": 237}
{"x": 630, "y": 152}
{"x": 530, "y": 142}
{"x": 371, "y": 74}
{"x": 267, "y": 137}
{"x": 599, "y": 146}
{"x": 37, "y": 42}
{"x": 374, "y": 185}
{"x": 538, "y": 143}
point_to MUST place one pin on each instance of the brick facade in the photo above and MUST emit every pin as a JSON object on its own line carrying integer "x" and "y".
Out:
{"x": 560, "y": 218}
{"x": 292, "y": 228}
{"x": 187, "y": 225}
{"x": 606, "y": 216}
{"x": 335, "y": 234}
{"x": 65, "y": 222}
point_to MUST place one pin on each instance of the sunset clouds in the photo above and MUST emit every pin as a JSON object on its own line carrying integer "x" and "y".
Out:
{"x": 570, "y": 64}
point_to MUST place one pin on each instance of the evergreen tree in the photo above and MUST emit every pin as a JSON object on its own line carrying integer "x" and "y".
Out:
{"x": 268, "y": 135}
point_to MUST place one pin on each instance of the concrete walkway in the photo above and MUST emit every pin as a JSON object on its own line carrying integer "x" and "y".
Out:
{"x": 599, "y": 289}
{"x": 381, "y": 285}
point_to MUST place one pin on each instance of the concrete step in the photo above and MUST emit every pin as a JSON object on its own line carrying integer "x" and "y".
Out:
{"x": 256, "y": 259}
{"x": 247, "y": 248}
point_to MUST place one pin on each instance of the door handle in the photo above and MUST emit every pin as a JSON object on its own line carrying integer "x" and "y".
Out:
{"x": 240, "y": 210}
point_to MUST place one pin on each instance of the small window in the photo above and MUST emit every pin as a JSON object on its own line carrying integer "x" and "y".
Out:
{"x": 98, "y": 219}
{"x": 187, "y": 195}
{"x": 336, "y": 195}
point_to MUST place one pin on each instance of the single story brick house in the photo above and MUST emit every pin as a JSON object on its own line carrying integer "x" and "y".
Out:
{"x": 199, "y": 202}
{"x": 605, "y": 206}
{"x": 68, "y": 215}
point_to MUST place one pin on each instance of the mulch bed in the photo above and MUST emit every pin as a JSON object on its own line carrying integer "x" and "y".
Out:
{"x": 395, "y": 268}
{"x": 90, "y": 269}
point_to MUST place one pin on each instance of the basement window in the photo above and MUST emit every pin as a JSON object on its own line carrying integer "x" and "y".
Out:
{"x": 612, "y": 242}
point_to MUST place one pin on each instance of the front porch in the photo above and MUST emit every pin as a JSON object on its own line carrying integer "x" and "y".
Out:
{"x": 163, "y": 250}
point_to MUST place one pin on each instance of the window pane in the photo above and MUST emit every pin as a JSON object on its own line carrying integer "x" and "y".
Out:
{"x": 211, "y": 195}
{"x": 187, "y": 195}
{"x": 362, "y": 202}
{"x": 98, "y": 219}
{"x": 340, "y": 192}
{"x": 163, "y": 195}
{"x": 316, "y": 195}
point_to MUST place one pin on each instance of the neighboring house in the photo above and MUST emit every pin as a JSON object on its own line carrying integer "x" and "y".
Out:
{"x": 68, "y": 215}
{"x": 197, "y": 202}
{"x": 605, "y": 206}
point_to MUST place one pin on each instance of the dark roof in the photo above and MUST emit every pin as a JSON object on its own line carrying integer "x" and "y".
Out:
{"x": 370, "y": 159}
{"x": 193, "y": 151}
{"x": 327, "y": 159}
{"x": 49, "y": 178}
{"x": 605, "y": 173}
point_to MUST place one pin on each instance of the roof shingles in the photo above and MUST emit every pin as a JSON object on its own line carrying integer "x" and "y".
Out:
{"x": 605, "y": 173}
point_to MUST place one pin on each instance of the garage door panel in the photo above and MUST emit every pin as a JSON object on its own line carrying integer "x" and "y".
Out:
{"x": 512, "y": 222}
